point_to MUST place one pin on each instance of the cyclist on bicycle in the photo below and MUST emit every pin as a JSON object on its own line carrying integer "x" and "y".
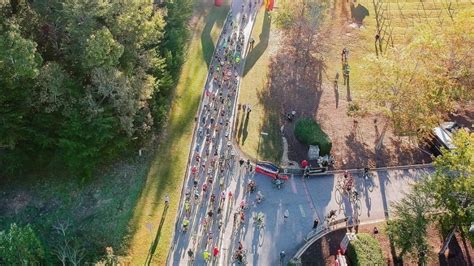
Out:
{"x": 213, "y": 198}
{"x": 251, "y": 186}
{"x": 260, "y": 217}
{"x": 196, "y": 194}
{"x": 206, "y": 255}
{"x": 242, "y": 205}
{"x": 222, "y": 196}
{"x": 185, "y": 224}
{"x": 190, "y": 254}
{"x": 187, "y": 206}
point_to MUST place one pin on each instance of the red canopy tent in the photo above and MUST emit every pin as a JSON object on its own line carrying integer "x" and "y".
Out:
{"x": 218, "y": 2}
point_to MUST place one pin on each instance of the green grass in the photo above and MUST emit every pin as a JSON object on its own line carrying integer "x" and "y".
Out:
{"x": 168, "y": 168}
{"x": 253, "y": 86}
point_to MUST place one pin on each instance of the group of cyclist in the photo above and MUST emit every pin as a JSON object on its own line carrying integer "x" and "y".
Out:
{"x": 213, "y": 154}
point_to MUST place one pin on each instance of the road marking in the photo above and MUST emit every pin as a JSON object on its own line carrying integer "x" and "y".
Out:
{"x": 302, "y": 211}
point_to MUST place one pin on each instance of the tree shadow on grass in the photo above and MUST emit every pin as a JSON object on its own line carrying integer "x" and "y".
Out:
{"x": 213, "y": 18}
{"x": 293, "y": 85}
{"x": 271, "y": 146}
{"x": 245, "y": 131}
{"x": 157, "y": 237}
{"x": 255, "y": 53}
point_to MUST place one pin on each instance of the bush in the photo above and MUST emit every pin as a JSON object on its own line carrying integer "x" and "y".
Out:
{"x": 20, "y": 246}
{"x": 309, "y": 132}
{"x": 365, "y": 250}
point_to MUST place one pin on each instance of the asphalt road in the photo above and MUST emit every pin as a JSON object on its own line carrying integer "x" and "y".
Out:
{"x": 214, "y": 162}
{"x": 213, "y": 157}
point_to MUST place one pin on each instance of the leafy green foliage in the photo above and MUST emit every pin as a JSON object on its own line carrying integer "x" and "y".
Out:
{"x": 452, "y": 184}
{"x": 365, "y": 250}
{"x": 20, "y": 246}
{"x": 19, "y": 65}
{"x": 408, "y": 230}
{"x": 411, "y": 91}
{"x": 102, "y": 50}
{"x": 85, "y": 81}
{"x": 310, "y": 133}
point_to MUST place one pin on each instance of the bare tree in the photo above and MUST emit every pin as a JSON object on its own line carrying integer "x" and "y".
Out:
{"x": 67, "y": 250}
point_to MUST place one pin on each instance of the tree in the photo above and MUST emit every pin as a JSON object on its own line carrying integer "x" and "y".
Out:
{"x": 20, "y": 245}
{"x": 365, "y": 250}
{"x": 19, "y": 65}
{"x": 102, "y": 50}
{"x": 452, "y": 184}
{"x": 408, "y": 229}
{"x": 176, "y": 33}
{"x": 53, "y": 88}
{"x": 66, "y": 248}
{"x": 416, "y": 85}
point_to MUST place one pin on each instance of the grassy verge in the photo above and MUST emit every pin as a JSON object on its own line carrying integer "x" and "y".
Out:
{"x": 152, "y": 226}
{"x": 253, "y": 87}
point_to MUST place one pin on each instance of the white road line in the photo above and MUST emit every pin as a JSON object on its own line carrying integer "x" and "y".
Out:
{"x": 302, "y": 211}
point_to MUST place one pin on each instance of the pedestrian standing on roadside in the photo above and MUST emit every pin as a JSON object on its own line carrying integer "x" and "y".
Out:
{"x": 215, "y": 252}
{"x": 241, "y": 162}
{"x": 282, "y": 256}
{"x": 315, "y": 223}
{"x": 167, "y": 200}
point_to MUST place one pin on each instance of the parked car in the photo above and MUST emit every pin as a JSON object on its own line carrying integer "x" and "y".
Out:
{"x": 442, "y": 136}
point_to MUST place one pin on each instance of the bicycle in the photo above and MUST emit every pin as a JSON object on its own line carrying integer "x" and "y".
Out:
{"x": 338, "y": 195}
{"x": 240, "y": 258}
{"x": 259, "y": 220}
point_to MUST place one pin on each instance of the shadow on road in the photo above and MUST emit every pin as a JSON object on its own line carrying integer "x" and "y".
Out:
{"x": 213, "y": 18}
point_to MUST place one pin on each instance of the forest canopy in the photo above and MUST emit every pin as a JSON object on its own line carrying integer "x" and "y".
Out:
{"x": 82, "y": 81}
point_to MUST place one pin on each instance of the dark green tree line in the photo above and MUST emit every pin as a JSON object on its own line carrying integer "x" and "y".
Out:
{"x": 81, "y": 81}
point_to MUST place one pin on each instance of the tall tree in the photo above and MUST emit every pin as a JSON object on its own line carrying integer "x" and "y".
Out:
{"x": 20, "y": 246}
{"x": 452, "y": 184}
{"x": 415, "y": 86}
{"x": 176, "y": 33}
{"x": 19, "y": 66}
{"x": 408, "y": 229}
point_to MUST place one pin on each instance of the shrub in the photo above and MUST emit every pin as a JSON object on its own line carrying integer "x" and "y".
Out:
{"x": 365, "y": 250}
{"x": 20, "y": 246}
{"x": 309, "y": 132}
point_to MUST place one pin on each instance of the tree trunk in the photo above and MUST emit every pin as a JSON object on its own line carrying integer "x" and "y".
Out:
{"x": 381, "y": 137}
